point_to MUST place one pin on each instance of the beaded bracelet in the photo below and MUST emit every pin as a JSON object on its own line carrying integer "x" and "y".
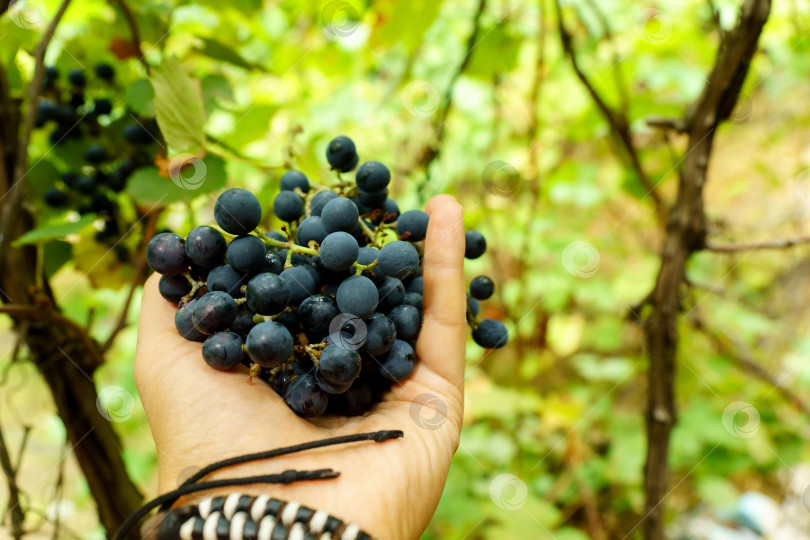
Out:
{"x": 244, "y": 517}
{"x": 248, "y": 517}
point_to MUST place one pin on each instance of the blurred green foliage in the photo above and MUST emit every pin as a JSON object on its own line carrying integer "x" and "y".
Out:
{"x": 562, "y": 408}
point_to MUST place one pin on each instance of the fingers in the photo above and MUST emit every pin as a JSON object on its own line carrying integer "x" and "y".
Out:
{"x": 441, "y": 342}
{"x": 159, "y": 345}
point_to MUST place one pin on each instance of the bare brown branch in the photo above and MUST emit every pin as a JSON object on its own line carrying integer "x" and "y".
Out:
{"x": 782, "y": 243}
{"x": 136, "y": 33}
{"x": 685, "y": 234}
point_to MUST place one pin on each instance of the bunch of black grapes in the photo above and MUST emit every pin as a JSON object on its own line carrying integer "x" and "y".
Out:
{"x": 328, "y": 310}
{"x": 113, "y": 142}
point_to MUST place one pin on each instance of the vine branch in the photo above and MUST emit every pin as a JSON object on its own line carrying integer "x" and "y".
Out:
{"x": 782, "y": 243}
{"x": 618, "y": 122}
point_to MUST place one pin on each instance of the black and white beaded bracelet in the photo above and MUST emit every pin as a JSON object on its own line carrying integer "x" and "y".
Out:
{"x": 249, "y": 517}
{"x": 246, "y": 517}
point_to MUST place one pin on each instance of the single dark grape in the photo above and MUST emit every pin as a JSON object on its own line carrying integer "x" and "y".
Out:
{"x": 77, "y": 78}
{"x": 491, "y": 334}
{"x": 102, "y": 106}
{"x": 311, "y": 228}
{"x": 371, "y": 200}
{"x": 366, "y": 256}
{"x": 398, "y": 259}
{"x": 380, "y": 334}
{"x": 372, "y": 176}
{"x": 339, "y": 365}
{"x": 173, "y": 288}
{"x": 357, "y": 296}
{"x": 392, "y": 293}
{"x": 243, "y": 322}
{"x": 76, "y": 99}
{"x": 362, "y": 209}
{"x": 474, "y": 306}
{"x": 482, "y": 287}
{"x": 412, "y": 225}
{"x": 398, "y": 364}
{"x": 269, "y": 344}
{"x": 288, "y": 206}
{"x": 267, "y": 294}
{"x": 246, "y": 254}
{"x": 70, "y": 179}
{"x": 85, "y": 184}
{"x": 273, "y": 263}
{"x": 305, "y": 397}
{"x": 105, "y": 71}
{"x": 390, "y": 211}
{"x": 205, "y": 246}
{"x": 289, "y": 319}
{"x": 340, "y": 214}
{"x": 408, "y": 321}
{"x": 224, "y": 278}
{"x": 302, "y": 283}
{"x": 329, "y": 387}
{"x": 213, "y": 312}
{"x": 475, "y": 244}
{"x": 294, "y": 179}
{"x": 355, "y": 401}
{"x": 339, "y": 251}
{"x": 166, "y": 254}
{"x": 47, "y": 110}
{"x": 55, "y": 197}
{"x": 237, "y": 211}
{"x": 117, "y": 181}
{"x": 413, "y": 299}
{"x": 185, "y": 325}
{"x": 51, "y": 76}
{"x": 223, "y": 350}
{"x": 137, "y": 134}
{"x": 317, "y": 312}
{"x": 341, "y": 154}
{"x": 415, "y": 285}
{"x": 281, "y": 381}
{"x": 319, "y": 200}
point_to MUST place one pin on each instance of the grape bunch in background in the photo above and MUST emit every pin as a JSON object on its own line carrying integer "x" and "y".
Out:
{"x": 78, "y": 110}
{"x": 327, "y": 310}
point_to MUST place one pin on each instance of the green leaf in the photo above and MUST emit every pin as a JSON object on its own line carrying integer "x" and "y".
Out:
{"x": 140, "y": 98}
{"x": 220, "y": 51}
{"x": 148, "y": 187}
{"x": 54, "y": 231}
{"x": 178, "y": 106}
{"x": 57, "y": 253}
{"x": 214, "y": 89}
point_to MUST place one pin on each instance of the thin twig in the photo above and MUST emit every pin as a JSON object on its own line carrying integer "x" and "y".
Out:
{"x": 733, "y": 348}
{"x": 619, "y": 123}
{"x": 137, "y": 278}
{"x": 782, "y": 243}
{"x": 136, "y": 34}
{"x": 432, "y": 152}
{"x": 14, "y": 508}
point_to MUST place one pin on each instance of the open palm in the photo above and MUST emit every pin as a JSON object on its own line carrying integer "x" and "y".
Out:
{"x": 199, "y": 415}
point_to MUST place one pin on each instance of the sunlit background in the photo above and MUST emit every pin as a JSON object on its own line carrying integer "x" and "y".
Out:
{"x": 476, "y": 98}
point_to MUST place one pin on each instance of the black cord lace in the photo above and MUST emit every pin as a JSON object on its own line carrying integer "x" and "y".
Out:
{"x": 193, "y": 484}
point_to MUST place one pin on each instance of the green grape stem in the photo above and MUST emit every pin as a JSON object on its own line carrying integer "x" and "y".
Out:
{"x": 292, "y": 247}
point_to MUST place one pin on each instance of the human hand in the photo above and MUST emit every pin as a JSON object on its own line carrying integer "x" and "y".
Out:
{"x": 199, "y": 415}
